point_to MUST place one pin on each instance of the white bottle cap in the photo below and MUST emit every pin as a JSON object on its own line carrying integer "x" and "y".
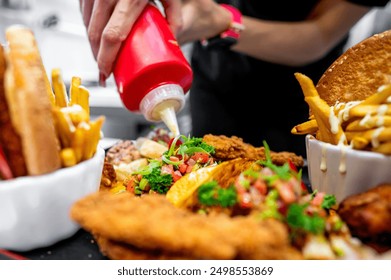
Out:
{"x": 161, "y": 98}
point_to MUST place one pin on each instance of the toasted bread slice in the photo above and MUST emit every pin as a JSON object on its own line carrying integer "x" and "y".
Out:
{"x": 359, "y": 72}
{"x": 30, "y": 107}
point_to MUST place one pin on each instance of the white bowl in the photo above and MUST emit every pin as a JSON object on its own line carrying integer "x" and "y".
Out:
{"x": 34, "y": 211}
{"x": 343, "y": 171}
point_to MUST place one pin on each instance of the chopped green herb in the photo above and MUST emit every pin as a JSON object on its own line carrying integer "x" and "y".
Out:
{"x": 284, "y": 172}
{"x": 251, "y": 173}
{"x": 227, "y": 197}
{"x": 329, "y": 201}
{"x": 297, "y": 219}
{"x": 159, "y": 182}
{"x": 272, "y": 206}
{"x": 148, "y": 168}
{"x": 211, "y": 194}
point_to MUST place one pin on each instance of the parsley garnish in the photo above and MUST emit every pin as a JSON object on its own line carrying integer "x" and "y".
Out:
{"x": 283, "y": 172}
{"x": 211, "y": 194}
{"x": 152, "y": 176}
{"x": 298, "y": 219}
{"x": 158, "y": 182}
{"x": 329, "y": 201}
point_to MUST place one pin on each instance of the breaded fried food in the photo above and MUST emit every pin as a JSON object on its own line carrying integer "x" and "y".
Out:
{"x": 368, "y": 216}
{"x": 122, "y": 251}
{"x": 152, "y": 223}
{"x": 227, "y": 148}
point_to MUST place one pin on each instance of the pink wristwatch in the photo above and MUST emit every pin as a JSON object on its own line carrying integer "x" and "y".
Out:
{"x": 230, "y": 36}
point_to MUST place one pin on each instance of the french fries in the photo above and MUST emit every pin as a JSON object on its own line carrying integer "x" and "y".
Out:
{"x": 64, "y": 126}
{"x": 78, "y": 135}
{"x": 328, "y": 124}
{"x": 369, "y": 123}
{"x": 74, "y": 90}
{"x": 83, "y": 99}
{"x": 364, "y": 125}
{"x": 308, "y": 127}
{"x": 60, "y": 92}
{"x": 68, "y": 157}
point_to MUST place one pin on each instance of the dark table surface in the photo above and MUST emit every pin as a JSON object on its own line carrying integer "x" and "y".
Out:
{"x": 81, "y": 246}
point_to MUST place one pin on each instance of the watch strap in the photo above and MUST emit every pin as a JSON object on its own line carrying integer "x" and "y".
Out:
{"x": 236, "y": 25}
{"x": 229, "y": 36}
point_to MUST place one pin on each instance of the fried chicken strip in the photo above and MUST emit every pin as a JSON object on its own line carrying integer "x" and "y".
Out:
{"x": 368, "y": 216}
{"x": 152, "y": 223}
{"x": 227, "y": 148}
{"x": 122, "y": 251}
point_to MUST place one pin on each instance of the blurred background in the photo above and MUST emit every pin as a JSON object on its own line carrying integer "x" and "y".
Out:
{"x": 63, "y": 43}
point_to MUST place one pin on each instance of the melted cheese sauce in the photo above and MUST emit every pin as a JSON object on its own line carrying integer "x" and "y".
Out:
{"x": 375, "y": 137}
{"x": 334, "y": 121}
{"x": 323, "y": 162}
{"x": 364, "y": 121}
{"x": 342, "y": 163}
{"x": 343, "y": 110}
{"x": 168, "y": 116}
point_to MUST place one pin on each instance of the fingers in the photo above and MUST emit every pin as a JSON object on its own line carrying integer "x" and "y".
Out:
{"x": 100, "y": 15}
{"x": 86, "y": 10}
{"x": 115, "y": 32}
{"x": 173, "y": 13}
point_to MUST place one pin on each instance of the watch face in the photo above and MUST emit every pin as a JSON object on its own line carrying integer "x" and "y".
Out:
{"x": 219, "y": 42}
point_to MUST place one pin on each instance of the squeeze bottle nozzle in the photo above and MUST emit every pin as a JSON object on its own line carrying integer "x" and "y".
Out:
{"x": 162, "y": 103}
{"x": 151, "y": 73}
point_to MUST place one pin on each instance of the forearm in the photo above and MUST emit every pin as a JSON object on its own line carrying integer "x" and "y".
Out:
{"x": 298, "y": 43}
{"x": 202, "y": 19}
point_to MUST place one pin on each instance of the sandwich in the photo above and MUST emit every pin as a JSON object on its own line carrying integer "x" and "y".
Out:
{"x": 28, "y": 140}
{"x": 350, "y": 104}
{"x": 360, "y": 72}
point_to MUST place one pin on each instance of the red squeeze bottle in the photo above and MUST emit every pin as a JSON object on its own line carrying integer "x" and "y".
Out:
{"x": 151, "y": 73}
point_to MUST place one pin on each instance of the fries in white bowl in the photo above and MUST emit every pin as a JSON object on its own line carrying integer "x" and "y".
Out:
{"x": 343, "y": 171}
{"x": 348, "y": 144}
{"x": 34, "y": 211}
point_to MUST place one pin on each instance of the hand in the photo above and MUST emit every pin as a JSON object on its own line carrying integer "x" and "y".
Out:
{"x": 202, "y": 19}
{"x": 109, "y": 22}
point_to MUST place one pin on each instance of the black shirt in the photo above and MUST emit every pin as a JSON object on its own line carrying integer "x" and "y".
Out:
{"x": 370, "y": 3}
{"x": 235, "y": 94}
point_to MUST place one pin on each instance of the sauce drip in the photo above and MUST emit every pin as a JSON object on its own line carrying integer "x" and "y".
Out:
{"x": 168, "y": 116}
